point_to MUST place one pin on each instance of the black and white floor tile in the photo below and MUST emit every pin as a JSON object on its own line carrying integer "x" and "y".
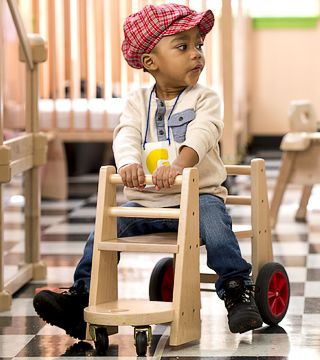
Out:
{"x": 65, "y": 227}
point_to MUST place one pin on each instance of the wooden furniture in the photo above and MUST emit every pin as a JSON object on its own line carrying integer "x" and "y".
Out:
{"x": 23, "y": 155}
{"x": 300, "y": 158}
{"x": 69, "y": 121}
{"x": 82, "y": 66}
{"x": 85, "y": 62}
{"x": 104, "y": 307}
{"x": 183, "y": 312}
{"x": 74, "y": 121}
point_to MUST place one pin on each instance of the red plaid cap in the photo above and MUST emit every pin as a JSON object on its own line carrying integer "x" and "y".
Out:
{"x": 144, "y": 29}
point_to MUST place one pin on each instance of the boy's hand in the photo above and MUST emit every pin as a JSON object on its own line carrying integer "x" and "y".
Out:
{"x": 132, "y": 176}
{"x": 165, "y": 175}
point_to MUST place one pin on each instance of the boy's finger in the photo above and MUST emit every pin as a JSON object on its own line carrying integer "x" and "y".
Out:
{"x": 135, "y": 181}
{"x": 141, "y": 177}
{"x": 172, "y": 178}
{"x": 154, "y": 178}
{"x": 166, "y": 182}
{"x": 165, "y": 177}
{"x": 159, "y": 182}
{"x": 129, "y": 182}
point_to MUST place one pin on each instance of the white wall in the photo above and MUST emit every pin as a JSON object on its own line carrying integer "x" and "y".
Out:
{"x": 285, "y": 66}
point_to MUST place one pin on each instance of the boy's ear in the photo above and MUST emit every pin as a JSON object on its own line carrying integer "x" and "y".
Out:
{"x": 148, "y": 62}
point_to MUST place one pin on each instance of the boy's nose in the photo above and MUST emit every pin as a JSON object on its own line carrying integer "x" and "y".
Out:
{"x": 196, "y": 54}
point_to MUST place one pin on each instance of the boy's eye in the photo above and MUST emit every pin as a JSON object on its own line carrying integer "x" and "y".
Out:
{"x": 182, "y": 47}
{"x": 185, "y": 46}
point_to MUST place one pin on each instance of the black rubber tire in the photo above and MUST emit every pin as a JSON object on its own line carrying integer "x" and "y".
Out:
{"x": 161, "y": 280}
{"x": 273, "y": 293}
{"x": 102, "y": 341}
{"x": 141, "y": 343}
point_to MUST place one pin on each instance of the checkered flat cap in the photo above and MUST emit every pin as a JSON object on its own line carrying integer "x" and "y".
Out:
{"x": 144, "y": 29}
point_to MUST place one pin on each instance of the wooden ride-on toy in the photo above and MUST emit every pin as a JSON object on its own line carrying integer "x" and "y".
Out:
{"x": 300, "y": 162}
{"x": 105, "y": 309}
{"x": 272, "y": 283}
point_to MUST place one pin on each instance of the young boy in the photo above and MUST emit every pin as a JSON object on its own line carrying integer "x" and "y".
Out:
{"x": 164, "y": 129}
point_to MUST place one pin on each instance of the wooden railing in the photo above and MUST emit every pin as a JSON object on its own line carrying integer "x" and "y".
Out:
{"x": 23, "y": 155}
{"x": 85, "y": 62}
{"x": 90, "y": 64}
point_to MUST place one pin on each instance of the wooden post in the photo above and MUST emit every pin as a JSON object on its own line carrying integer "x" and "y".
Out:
{"x": 301, "y": 214}
{"x": 75, "y": 50}
{"x": 5, "y": 298}
{"x": 281, "y": 184}
{"x": 228, "y": 139}
{"x": 261, "y": 243}
{"x": 32, "y": 176}
{"x": 185, "y": 325}
{"x": 104, "y": 272}
{"x": 59, "y": 40}
{"x": 105, "y": 262}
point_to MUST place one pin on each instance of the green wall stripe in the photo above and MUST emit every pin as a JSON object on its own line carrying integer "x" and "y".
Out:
{"x": 285, "y": 22}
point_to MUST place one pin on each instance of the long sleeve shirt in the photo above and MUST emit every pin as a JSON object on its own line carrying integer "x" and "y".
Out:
{"x": 195, "y": 122}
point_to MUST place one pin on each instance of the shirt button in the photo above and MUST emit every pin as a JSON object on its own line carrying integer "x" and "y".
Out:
{"x": 161, "y": 132}
{"x": 160, "y": 118}
{"x": 180, "y": 118}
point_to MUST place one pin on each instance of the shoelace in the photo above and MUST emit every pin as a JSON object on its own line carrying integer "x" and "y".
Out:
{"x": 243, "y": 296}
{"x": 67, "y": 290}
{"x": 73, "y": 290}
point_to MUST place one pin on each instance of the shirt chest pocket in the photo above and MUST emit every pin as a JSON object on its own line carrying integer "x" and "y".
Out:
{"x": 178, "y": 123}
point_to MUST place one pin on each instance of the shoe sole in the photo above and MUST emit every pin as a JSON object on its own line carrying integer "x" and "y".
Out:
{"x": 75, "y": 331}
{"x": 243, "y": 325}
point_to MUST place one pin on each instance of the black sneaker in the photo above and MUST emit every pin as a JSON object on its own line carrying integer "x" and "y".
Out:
{"x": 64, "y": 310}
{"x": 243, "y": 314}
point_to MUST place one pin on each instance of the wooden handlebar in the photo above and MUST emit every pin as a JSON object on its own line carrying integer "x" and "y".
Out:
{"x": 116, "y": 179}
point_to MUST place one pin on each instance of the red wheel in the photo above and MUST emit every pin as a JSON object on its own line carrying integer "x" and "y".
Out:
{"x": 161, "y": 281}
{"x": 273, "y": 293}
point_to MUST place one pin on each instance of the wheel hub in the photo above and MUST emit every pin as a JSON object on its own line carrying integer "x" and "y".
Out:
{"x": 278, "y": 293}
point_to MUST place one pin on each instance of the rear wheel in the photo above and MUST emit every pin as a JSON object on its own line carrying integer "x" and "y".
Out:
{"x": 273, "y": 293}
{"x": 161, "y": 280}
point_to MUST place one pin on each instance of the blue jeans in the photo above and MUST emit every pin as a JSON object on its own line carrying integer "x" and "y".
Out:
{"x": 223, "y": 252}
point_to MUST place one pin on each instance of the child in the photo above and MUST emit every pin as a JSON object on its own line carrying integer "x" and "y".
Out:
{"x": 164, "y": 129}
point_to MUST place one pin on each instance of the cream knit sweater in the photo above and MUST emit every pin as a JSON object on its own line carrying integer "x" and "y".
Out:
{"x": 202, "y": 134}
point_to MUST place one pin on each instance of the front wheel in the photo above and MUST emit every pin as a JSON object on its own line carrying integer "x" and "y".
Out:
{"x": 101, "y": 341}
{"x": 273, "y": 293}
{"x": 141, "y": 343}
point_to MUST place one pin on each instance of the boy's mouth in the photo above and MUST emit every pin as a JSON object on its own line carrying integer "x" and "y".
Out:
{"x": 197, "y": 68}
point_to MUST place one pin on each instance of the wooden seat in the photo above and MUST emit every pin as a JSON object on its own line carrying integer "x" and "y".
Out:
{"x": 300, "y": 162}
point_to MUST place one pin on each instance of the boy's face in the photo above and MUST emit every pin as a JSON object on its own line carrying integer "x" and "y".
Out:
{"x": 179, "y": 59}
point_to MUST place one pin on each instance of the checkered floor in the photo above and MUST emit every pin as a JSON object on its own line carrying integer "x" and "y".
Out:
{"x": 65, "y": 226}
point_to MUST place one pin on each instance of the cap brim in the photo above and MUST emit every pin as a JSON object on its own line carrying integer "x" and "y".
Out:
{"x": 204, "y": 20}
